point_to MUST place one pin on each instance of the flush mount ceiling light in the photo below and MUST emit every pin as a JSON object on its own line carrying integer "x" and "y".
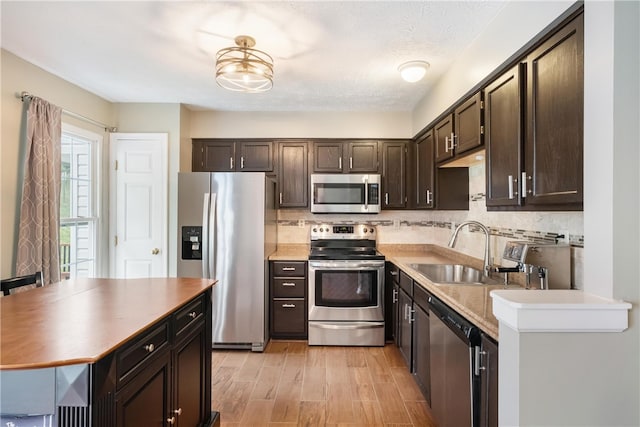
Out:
{"x": 243, "y": 69}
{"x": 413, "y": 71}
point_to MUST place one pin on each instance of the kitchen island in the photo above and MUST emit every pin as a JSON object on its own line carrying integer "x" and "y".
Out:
{"x": 109, "y": 352}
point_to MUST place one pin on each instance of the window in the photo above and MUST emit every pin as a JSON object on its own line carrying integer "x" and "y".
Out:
{"x": 79, "y": 202}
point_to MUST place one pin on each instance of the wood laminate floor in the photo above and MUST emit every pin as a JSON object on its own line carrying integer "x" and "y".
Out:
{"x": 293, "y": 384}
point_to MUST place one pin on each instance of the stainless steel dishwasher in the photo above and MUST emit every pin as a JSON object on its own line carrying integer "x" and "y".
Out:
{"x": 454, "y": 385}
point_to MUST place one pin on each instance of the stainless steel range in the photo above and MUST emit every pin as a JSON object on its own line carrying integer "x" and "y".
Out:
{"x": 346, "y": 286}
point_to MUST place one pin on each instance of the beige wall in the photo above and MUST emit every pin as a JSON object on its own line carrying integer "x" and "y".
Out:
{"x": 17, "y": 76}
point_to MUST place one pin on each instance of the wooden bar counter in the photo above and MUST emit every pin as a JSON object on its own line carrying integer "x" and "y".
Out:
{"x": 109, "y": 352}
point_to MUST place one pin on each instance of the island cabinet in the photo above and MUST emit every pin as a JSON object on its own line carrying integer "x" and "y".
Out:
{"x": 394, "y": 173}
{"x": 288, "y": 299}
{"x": 534, "y": 127}
{"x": 150, "y": 363}
{"x": 461, "y": 131}
{"x": 215, "y": 155}
{"x": 293, "y": 176}
{"x": 345, "y": 157}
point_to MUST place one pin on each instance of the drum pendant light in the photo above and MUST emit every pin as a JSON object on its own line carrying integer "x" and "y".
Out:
{"x": 243, "y": 69}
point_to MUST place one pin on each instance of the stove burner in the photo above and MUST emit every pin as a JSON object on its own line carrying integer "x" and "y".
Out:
{"x": 344, "y": 242}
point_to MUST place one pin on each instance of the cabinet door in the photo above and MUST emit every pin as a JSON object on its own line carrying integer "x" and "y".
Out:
{"x": 145, "y": 400}
{"x": 288, "y": 318}
{"x": 292, "y": 175}
{"x": 405, "y": 305}
{"x": 421, "y": 350}
{"x": 424, "y": 171}
{"x": 255, "y": 156}
{"x": 442, "y": 133}
{"x": 217, "y": 156}
{"x": 503, "y": 138}
{"x": 362, "y": 157}
{"x": 327, "y": 157}
{"x": 489, "y": 383}
{"x": 189, "y": 367}
{"x": 394, "y": 156}
{"x": 554, "y": 144}
{"x": 391, "y": 301}
{"x": 468, "y": 124}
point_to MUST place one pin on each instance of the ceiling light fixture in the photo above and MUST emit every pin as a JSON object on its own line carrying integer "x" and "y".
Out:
{"x": 243, "y": 69}
{"x": 413, "y": 71}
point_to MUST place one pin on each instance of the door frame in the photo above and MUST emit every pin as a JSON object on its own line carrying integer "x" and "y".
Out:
{"x": 163, "y": 139}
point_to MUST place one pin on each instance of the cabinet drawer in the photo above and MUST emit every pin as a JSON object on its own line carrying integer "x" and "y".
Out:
{"x": 142, "y": 348}
{"x": 289, "y": 269}
{"x": 406, "y": 283}
{"x": 289, "y": 288}
{"x": 421, "y": 297}
{"x": 288, "y": 317}
{"x": 189, "y": 315}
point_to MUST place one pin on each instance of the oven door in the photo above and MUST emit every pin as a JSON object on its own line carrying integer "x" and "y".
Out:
{"x": 346, "y": 290}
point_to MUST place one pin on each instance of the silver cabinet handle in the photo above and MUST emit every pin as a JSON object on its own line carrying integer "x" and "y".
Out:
{"x": 230, "y": 162}
{"x": 280, "y": 198}
{"x": 288, "y": 306}
{"x": 193, "y": 314}
{"x": 478, "y": 353}
{"x": 453, "y": 138}
{"x": 350, "y": 162}
{"x": 524, "y": 185}
{"x": 446, "y": 144}
{"x": 393, "y": 273}
{"x": 288, "y": 269}
{"x": 242, "y": 162}
{"x": 386, "y": 198}
{"x": 289, "y": 284}
{"x": 395, "y": 296}
{"x": 340, "y": 163}
{"x": 429, "y": 197}
{"x": 149, "y": 348}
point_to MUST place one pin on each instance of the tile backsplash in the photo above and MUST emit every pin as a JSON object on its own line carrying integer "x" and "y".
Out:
{"x": 436, "y": 227}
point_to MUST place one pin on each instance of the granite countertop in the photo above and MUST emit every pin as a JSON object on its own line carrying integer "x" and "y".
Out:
{"x": 471, "y": 301}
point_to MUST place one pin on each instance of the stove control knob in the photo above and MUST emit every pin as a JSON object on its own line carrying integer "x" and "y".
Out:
{"x": 321, "y": 229}
{"x": 364, "y": 230}
{"x": 371, "y": 230}
{"x": 315, "y": 230}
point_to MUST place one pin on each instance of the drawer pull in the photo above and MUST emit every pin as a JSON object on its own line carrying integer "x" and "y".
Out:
{"x": 288, "y": 269}
{"x": 288, "y": 306}
{"x": 288, "y": 284}
{"x": 193, "y": 314}
{"x": 149, "y": 348}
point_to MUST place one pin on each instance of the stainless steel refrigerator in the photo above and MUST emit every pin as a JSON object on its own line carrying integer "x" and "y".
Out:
{"x": 226, "y": 231}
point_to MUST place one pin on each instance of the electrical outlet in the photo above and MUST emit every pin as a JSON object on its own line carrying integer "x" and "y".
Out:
{"x": 396, "y": 224}
{"x": 301, "y": 223}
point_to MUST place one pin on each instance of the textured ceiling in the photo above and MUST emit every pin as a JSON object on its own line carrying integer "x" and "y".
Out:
{"x": 328, "y": 55}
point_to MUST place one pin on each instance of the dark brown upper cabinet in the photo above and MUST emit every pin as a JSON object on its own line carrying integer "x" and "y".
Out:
{"x": 555, "y": 105}
{"x": 503, "y": 138}
{"x": 424, "y": 176}
{"x": 460, "y": 131}
{"x": 212, "y": 155}
{"x": 293, "y": 175}
{"x": 394, "y": 174}
{"x": 345, "y": 157}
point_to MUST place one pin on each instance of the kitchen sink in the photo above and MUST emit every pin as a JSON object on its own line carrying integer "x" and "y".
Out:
{"x": 453, "y": 274}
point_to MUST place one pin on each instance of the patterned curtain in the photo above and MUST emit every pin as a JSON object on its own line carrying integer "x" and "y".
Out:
{"x": 38, "y": 235}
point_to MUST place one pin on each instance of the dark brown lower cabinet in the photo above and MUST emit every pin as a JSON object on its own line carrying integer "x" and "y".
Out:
{"x": 288, "y": 299}
{"x": 421, "y": 341}
{"x": 489, "y": 382}
{"x": 405, "y": 327}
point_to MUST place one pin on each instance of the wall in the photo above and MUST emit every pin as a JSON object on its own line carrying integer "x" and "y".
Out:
{"x": 210, "y": 124}
{"x": 18, "y": 76}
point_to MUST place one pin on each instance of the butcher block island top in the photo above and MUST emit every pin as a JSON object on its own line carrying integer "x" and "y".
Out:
{"x": 80, "y": 321}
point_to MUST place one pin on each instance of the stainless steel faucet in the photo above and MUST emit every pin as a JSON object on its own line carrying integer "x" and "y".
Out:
{"x": 452, "y": 242}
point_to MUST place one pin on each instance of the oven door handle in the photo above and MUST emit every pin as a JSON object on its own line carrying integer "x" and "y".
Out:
{"x": 350, "y": 325}
{"x": 350, "y": 265}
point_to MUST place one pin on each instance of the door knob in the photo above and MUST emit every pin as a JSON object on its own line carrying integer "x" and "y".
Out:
{"x": 155, "y": 251}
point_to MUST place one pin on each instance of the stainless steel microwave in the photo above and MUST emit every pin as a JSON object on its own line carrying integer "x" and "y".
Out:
{"x": 345, "y": 193}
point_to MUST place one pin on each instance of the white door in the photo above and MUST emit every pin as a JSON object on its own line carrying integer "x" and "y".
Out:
{"x": 138, "y": 211}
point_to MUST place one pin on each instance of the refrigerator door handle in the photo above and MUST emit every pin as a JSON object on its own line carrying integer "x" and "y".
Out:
{"x": 212, "y": 237}
{"x": 205, "y": 235}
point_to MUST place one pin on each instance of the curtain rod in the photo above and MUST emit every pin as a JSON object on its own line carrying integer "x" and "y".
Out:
{"x": 26, "y": 95}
